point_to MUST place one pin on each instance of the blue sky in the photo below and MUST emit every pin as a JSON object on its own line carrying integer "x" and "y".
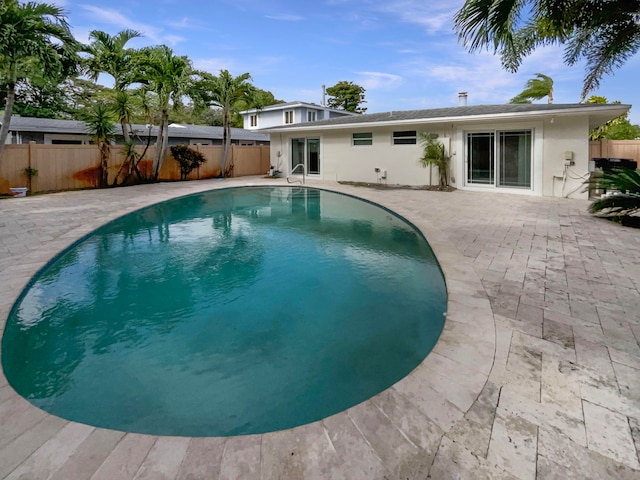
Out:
{"x": 404, "y": 52}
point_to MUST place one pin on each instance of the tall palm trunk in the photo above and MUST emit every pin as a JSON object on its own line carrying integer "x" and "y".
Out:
{"x": 161, "y": 144}
{"x": 105, "y": 152}
{"x": 226, "y": 141}
{"x": 125, "y": 125}
{"x": 8, "y": 109}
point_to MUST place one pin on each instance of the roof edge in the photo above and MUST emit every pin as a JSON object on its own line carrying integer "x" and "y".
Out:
{"x": 586, "y": 110}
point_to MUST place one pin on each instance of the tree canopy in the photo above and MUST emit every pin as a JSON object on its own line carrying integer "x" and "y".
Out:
{"x": 35, "y": 42}
{"x": 230, "y": 94}
{"x": 535, "y": 89}
{"x": 347, "y": 96}
{"x": 619, "y": 128}
{"x": 171, "y": 78}
{"x": 604, "y": 33}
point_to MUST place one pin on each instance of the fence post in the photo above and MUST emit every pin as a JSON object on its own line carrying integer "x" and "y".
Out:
{"x": 31, "y": 147}
{"x": 233, "y": 160}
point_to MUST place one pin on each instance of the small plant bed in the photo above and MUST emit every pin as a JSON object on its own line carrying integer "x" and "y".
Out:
{"x": 385, "y": 186}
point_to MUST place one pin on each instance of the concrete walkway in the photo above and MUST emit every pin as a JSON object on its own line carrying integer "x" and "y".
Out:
{"x": 536, "y": 375}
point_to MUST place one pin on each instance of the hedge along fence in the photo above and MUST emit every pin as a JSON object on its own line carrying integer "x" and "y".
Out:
{"x": 70, "y": 167}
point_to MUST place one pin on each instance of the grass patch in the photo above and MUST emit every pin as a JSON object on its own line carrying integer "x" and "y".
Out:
{"x": 384, "y": 186}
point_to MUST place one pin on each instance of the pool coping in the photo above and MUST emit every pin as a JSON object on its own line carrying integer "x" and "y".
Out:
{"x": 402, "y": 426}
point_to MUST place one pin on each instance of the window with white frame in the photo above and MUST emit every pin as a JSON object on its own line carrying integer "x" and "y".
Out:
{"x": 362, "y": 138}
{"x": 253, "y": 120}
{"x": 288, "y": 116}
{"x": 311, "y": 116}
{"x": 406, "y": 137}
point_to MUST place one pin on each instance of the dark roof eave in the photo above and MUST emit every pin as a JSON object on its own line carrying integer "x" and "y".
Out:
{"x": 414, "y": 117}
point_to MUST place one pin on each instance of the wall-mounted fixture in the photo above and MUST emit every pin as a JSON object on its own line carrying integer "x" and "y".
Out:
{"x": 568, "y": 158}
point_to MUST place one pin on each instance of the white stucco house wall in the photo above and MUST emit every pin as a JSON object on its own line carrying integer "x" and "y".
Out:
{"x": 289, "y": 113}
{"x": 533, "y": 149}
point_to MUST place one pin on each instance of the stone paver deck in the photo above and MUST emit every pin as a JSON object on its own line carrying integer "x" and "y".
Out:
{"x": 536, "y": 375}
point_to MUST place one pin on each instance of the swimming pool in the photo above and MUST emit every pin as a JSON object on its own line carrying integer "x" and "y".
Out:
{"x": 230, "y": 312}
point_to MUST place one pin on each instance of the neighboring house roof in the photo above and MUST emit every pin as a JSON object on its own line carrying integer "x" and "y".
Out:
{"x": 598, "y": 114}
{"x": 49, "y": 125}
{"x": 294, "y": 104}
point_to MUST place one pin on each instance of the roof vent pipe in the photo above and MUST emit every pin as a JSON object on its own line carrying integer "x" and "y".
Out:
{"x": 462, "y": 99}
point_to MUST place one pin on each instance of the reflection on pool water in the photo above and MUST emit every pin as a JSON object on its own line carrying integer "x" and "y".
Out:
{"x": 234, "y": 311}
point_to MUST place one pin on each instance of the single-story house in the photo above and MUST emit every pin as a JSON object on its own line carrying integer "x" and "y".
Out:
{"x": 52, "y": 131}
{"x": 534, "y": 149}
{"x": 289, "y": 113}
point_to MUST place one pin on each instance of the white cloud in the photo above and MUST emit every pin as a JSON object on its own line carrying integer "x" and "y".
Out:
{"x": 238, "y": 65}
{"x": 184, "y": 23}
{"x": 114, "y": 17}
{"x": 434, "y": 16}
{"x": 285, "y": 17}
{"x": 81, "y": 34}
{"x": 214, "y": 65}
{"x": 172, "y": 40}
{"x": 376, "y": 80}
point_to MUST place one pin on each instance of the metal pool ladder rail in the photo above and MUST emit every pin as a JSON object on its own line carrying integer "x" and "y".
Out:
{"x": 297, "y": 179}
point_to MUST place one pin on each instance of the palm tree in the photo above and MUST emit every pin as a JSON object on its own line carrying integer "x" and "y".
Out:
{"x": 32, "y": 36}
{"x": 605, "y": 34}
{"x": 99, "y": 122}
{"x": 435, "y": 154}
{"x": 170, "y": 77}
{"x": 108, "y": 54}
{"x": 230, "y": 94}
{"x": 535, "y": 89}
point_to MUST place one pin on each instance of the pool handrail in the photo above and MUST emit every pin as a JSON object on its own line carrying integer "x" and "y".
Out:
{"x": 293, "y": 170}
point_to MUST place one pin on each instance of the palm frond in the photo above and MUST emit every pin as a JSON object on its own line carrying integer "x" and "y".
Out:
{"x": 625, "y": 199}
{"x": 616, "y": 205}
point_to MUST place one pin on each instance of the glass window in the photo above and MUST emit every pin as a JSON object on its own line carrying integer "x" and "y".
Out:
{"x": 254, "y": 120}
{"x": 288, "y": 116}
{"x": 365, "y": 138}
{"x": 407, "y": 137}
{"x": 311, "y": 116}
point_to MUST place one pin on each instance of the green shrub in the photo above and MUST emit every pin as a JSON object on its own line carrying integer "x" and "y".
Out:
{"x": 188, "y": 159}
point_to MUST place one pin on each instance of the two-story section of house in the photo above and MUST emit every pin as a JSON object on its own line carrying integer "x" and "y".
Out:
{"x": 289, "y": 113}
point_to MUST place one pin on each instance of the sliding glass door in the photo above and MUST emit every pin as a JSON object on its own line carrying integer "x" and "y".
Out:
{"x": 515, "y": 159}
{"x": 499, "y": 158}
{"x": 480, "y": 164}
{"x": 306, "y": 151}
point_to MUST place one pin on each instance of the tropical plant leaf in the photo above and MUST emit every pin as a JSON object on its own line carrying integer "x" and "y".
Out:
{"x": 434, "y": 154}
{"x": 623, "y": 200}
{"x": 618, "y": 204}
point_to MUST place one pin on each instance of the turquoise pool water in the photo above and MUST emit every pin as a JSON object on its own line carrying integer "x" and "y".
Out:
{"x": 235, "y": 311}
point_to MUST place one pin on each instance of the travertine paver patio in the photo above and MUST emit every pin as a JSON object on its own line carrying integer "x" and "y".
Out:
{"x": 537, "y": 374}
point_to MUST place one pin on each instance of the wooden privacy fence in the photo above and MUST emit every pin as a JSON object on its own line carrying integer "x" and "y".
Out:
{"x": 615, "y": 149}
{"x": 69, "y": 167}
